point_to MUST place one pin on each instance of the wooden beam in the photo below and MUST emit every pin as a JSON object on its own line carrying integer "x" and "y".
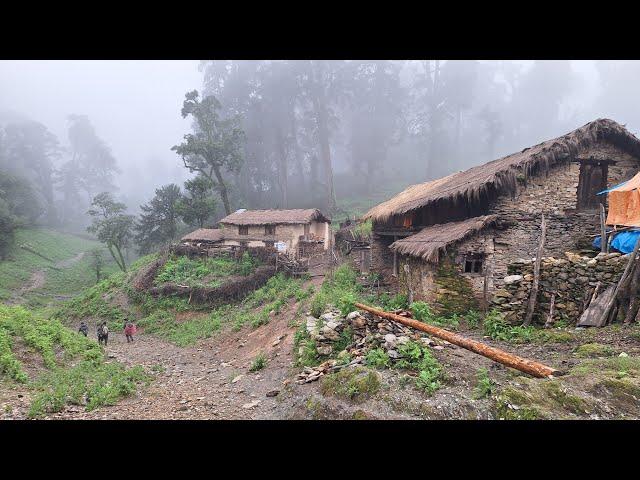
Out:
{"x": 527, "y": 366}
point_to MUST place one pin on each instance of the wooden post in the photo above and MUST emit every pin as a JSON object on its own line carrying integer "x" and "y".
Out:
{"x": 603, "y": 231}
{"x": 395, "y": 259}
{"x": 536, "y": 275}
{"x": 549, "y": 322}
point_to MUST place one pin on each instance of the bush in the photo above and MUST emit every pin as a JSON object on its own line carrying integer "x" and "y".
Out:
{"x": 377, "y": 358}
{"x": 351, "y": 383}
{"x": 258, "y": 363}
{"x": 484, "y": 385}
{"x": 415, "y": 356}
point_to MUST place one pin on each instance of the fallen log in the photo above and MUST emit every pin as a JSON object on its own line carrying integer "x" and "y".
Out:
{"x": 527, "y": 366}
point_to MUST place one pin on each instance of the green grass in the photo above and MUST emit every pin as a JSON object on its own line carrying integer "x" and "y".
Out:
{"x": 497, "y": 328}
{"x": 415, "y": 356}
{"x": 593, "y": 350}
{"x": 356, "y": 384}
{"x": 258, "y": 363}
{"x": 74, "y": 370}
{"x": 194, "y": 271}
{"x": 57, "y": 247}
{"x": 484, "y": 385}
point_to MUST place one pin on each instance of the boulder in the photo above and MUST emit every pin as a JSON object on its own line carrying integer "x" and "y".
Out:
{"x": 510, "y": 279}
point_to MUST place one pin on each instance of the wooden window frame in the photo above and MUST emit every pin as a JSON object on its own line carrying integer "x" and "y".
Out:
{"x": 243, "y": 229}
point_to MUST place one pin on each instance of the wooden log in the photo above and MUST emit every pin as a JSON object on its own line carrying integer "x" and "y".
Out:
{"x": 536, "y": 275}
{"x": 603, "y": 231}
{"x": 549, "y": 322}
{"x": 505, "y": 358}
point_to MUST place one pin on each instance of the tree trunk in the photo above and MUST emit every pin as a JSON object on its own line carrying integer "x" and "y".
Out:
{"x": 222, "y": 188}
{"x": 282, "y": 168}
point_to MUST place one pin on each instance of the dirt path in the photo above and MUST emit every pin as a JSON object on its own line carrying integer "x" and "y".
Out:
{"x": 210, "y": 380}
{"x": 39, "y": 278}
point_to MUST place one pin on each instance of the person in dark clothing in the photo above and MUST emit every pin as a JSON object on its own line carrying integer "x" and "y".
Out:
{"x": 84, "y": 329}
{"x": 103, "y": 333}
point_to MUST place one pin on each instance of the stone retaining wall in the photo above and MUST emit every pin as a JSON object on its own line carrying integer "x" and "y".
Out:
{"x": 572, "y": 279}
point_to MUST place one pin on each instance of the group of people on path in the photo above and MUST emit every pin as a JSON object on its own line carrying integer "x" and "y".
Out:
{"x": 102, "y": 331}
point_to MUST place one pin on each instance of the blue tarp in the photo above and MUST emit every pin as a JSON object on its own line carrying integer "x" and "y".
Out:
{"x": 612, "y": 188}
{"x": 624, "y": 242}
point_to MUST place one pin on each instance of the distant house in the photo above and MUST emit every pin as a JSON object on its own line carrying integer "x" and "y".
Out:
{"x": 203, "y": 237}
{"x": 288, "y": 230}
{"x": 300, "y": 232}
{"x": 478, "y": 221}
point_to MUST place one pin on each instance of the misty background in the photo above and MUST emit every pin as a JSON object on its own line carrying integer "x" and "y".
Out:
{"x": 337, "y": 135}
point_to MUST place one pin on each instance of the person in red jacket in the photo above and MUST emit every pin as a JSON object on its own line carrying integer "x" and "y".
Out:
{"x": 129, "y": 331}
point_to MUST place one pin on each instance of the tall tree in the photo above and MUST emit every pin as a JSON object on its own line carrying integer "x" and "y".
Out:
{"x": 32, "y": 146}
{"x": 197, "y": 205}
{"x": 215, "y": 147}
{"x": 158, "y": 222}
{"x": 111, "y": 225}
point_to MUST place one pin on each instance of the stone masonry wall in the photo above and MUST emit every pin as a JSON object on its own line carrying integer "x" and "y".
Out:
{"x": 572, "y": 279}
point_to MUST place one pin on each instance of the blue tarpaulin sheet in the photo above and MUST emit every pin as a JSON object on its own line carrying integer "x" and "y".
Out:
{"x": 612, "y": 188}
{"x": 624, "y": 242}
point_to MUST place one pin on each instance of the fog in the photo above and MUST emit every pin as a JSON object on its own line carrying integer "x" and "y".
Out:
{"x": 332, "y": 134}
{"x": 133, "y": 105}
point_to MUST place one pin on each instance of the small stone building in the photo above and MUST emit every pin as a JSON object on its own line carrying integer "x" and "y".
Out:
{"x": 300, "y": 232}
{"x": 456, "y": 236}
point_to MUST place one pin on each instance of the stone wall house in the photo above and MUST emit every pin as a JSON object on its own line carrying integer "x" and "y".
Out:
{"x": 479, "y": 221}
{"x": 302, "y": 232}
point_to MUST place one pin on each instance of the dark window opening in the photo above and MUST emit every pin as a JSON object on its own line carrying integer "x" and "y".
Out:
{"x": 269, "y": 229}
{"x": 473, "y": 262}
{"x": 243, "y": 230}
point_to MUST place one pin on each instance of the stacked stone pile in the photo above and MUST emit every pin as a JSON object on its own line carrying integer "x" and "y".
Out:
{"x": 369, "y": 332}
{"x": 572, "y": 279}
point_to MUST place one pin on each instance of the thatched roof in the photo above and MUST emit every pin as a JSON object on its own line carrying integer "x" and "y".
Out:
{"x": 273, "y": 217}
{"x": 204, "y": 235}
{"x": 499, "y": 177}
{"x": 430, "y": 241}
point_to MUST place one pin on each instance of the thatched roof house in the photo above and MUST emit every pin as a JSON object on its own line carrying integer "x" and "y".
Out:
{"x": 204, "y": 235}
{"x": 274, "y": 217}
{"x": 480, "y": 220}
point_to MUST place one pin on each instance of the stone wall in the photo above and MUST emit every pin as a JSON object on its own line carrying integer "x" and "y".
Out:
{"x": 572, "y": 279}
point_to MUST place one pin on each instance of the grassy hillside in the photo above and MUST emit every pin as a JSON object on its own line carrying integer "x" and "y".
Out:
{"x": 66, "y": 270}
{"x": 56, "y": 366}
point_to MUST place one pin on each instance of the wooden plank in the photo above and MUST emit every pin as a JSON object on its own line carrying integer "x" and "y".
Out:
{"x": 594, "y": 315}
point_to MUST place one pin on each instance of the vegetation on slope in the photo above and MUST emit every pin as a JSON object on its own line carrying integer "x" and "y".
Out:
{"x": 73, "y": 367}
{"x": 54, "y": 248}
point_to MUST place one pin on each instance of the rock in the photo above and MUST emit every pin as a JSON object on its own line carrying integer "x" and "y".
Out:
{"x": 353, "y": 315}
{"x": 324, "y": 350}
{"x": 393, "y": 354}
{"x": 403, "y": 339}
{"x": 237, "y": 379}
{"x": 510, "y": 279}
{"x": 272, "y": 393}
{"x": 329, "y": 333}
{"x": 311, "y": 324}
{"x": 502, "y": 293}
{"x": 251, "y": 404}
{"x": 358, "y": 322}
{"x": 623, "y": 354}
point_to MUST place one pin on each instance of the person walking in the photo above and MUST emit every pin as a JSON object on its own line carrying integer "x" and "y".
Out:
{"x": 103, "y": 333}
{"x": 129, "y": 331}
{"x": 84, "y": 329}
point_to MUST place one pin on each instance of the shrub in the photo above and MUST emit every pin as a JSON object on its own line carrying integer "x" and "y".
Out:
{"x": 258, "y": 363}
{"x": 484, "y": 385}
{"x": 351, "y": 383}
{"x": 377, "y": 358}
